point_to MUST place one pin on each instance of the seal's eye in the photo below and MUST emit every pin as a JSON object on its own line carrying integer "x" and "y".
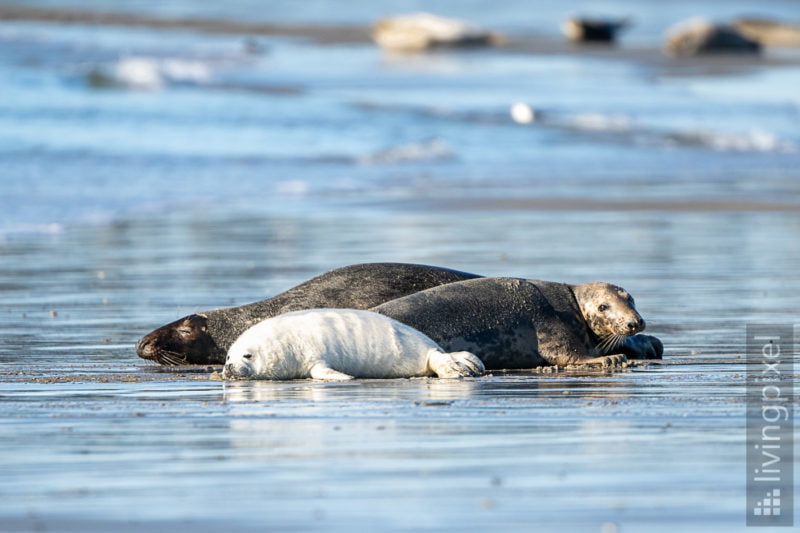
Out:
{"x": 602, "y": 307}
{"x": 248, "y": 356}
{"x": 185, "y": 331}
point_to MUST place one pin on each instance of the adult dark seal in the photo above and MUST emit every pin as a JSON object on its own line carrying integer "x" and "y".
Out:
{"x": 512, "y": 323}
{"x": 593, "y": 30}
{"x": 204, "y": 338}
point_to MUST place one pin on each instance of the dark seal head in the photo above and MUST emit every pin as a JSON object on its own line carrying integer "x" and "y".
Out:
{"x": 184, "y": 341}
{"x": 610, "y": 313}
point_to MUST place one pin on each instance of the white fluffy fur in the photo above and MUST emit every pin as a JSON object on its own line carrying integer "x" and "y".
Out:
{"x": 339, "y": 344}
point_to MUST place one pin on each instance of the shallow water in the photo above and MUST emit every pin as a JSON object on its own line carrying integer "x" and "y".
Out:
{"x": 232, "y": 176}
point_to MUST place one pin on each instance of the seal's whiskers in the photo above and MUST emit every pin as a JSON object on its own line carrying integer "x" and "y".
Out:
{"x": 610, "y": 343}
{"x": 170, "y": 358}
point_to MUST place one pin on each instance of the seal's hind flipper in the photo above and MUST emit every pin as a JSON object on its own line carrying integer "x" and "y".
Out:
{"x": 455, "y": 364}
{"x": 643, "y": 347}
{"x": 323, "y": 371}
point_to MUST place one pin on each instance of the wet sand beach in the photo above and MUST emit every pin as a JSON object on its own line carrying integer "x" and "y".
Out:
{"x": 498, "y": 452}
{"x": 95, "y": 438}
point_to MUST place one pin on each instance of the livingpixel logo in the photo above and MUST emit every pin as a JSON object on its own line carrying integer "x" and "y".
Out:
{"x": 770, "y": 425}
{"x": 770, "y": 505}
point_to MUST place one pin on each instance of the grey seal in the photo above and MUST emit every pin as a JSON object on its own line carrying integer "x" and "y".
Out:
{"x": 204, "y": 338}
{"x": 769, "y": 32}
{"x": 423, "y": 31}
{"x": 698, "y": 36}
{"x": 519, "y": 323}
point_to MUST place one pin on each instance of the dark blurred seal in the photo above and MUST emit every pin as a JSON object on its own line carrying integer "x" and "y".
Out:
{"x": 596, "y": 30}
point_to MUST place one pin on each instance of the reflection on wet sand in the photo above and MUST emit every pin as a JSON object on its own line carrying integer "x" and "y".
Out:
{"x": 431, "y": 392}
{"x": 414, "y": 389}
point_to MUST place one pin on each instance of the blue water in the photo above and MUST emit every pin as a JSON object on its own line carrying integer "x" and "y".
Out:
{"x": 148, "y": 174}
{"x": 356, "y": 118}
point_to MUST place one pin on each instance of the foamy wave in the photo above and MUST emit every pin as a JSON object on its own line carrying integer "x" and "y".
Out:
{"x": 623, "y": 129}
{"x": 51, "y": 228}
{"x": 292, "y": 187}
{"x": 145, "y": 73}
{"x": 600, "y": 122}
{"x": 431, "y": 150}
{"x": 754, "y": 141}
{"x": 614, "y": 128}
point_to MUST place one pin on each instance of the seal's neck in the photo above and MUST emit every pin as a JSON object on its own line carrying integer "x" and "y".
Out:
{"x": 592, "y": 338}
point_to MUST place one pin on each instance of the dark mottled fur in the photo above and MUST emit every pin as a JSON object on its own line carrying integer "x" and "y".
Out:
{"x": 204, "y": 338}
{"x": 516, "y": 323}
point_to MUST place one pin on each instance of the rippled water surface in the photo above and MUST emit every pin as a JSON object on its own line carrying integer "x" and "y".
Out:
{"x": 148, "y": 174}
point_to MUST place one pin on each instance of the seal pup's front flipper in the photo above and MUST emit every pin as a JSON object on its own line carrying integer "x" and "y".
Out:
{"x": 323, "y": 371}
{"x": 455, "y": 364}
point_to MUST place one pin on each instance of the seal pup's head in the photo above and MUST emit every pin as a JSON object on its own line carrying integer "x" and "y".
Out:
{"x": 239, "y": 364}
{"x": 610, "y": 313}
{"x": 185, "y": 341}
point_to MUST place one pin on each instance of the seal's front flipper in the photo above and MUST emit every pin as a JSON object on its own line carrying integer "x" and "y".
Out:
{"x": 323, "y": 371}
{"x": 605, "y": 361}
{"x": 455, "y": 364}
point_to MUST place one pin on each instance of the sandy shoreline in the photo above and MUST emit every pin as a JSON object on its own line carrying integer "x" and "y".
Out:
{"x": 320, "y": 33}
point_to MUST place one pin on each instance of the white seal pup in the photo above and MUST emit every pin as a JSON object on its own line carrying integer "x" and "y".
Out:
{"x": 341, "y": 344}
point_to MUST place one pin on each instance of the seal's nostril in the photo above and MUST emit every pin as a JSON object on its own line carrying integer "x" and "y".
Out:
{"x": 633, "y": 325}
